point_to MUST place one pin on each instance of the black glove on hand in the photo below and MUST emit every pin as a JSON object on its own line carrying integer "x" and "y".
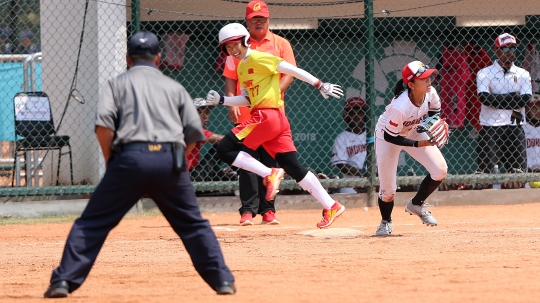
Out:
{"x": 517, "y": 117}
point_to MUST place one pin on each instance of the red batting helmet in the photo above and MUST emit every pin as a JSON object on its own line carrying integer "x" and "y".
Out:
{"x": 354, "y": 102}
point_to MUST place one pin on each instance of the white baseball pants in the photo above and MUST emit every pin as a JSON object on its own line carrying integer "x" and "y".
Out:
{"x": 387, "y": 162}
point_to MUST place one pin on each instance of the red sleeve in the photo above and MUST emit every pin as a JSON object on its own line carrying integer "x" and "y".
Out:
{"x": 194, "y": 156}
{"x": 207, "y": 133}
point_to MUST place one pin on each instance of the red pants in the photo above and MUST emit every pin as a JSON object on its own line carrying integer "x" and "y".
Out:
{"x": 268, "y": 127}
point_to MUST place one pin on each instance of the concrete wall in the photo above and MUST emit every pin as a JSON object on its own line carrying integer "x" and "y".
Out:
{"x": 285, "y": 202}
{"x": 102, "y": 56}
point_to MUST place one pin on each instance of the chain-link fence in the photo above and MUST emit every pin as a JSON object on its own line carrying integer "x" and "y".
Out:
{"x": 67, "y": 49}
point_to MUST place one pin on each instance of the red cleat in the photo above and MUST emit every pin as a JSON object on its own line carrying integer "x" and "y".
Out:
{"x": 329, "y": 215}
{"x": 272, "y": 182}
{"x": 269, "y": 218}
{"x": 246, "y": 219}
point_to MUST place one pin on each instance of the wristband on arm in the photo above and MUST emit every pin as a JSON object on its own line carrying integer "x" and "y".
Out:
{"x": 399, "y": 140}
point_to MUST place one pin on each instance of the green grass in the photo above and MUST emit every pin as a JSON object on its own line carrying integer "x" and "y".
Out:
{"x": 67, "y": 218}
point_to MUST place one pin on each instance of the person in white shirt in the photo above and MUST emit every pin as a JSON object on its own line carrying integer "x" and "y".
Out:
{"x": 349, "y": 150}
{"x": 532, "y": 134}
{"x": 414, "y": 98}
{"x": 504, "y": 89}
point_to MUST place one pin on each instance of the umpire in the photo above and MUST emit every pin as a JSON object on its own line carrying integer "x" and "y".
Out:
{"x": 504, "y": 90}
{"x": 144, "y": 121}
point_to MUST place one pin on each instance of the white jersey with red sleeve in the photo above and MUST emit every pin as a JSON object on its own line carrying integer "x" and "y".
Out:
{"x": 532, "y": 137}
{"x": 401, "y": 116}
{"x": 349, "y": 148}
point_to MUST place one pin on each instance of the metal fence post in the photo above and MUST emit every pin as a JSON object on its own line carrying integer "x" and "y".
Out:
{"x": 370, "y": 96}
{"x": 135, "y": 16}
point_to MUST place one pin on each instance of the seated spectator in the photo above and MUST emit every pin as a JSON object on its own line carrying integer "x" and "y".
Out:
{"x": 349, "y": 150}
{"x": 531, "y": 127}
{"x": 6, "y": 47}
{"x": 209, "y": 167}
{"x": 26, "y": 44}
{"x": 532, "y": 134}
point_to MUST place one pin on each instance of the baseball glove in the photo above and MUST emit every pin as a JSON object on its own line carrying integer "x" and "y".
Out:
{"x": 513, "y": 184}
{"x": 436, "y": 128}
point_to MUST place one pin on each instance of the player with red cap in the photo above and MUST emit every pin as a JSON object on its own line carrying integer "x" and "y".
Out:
{"x": 414, "y": 98}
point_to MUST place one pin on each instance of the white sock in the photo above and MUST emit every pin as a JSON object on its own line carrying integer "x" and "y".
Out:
{"x": 246, "y": 162}
{"x": 313, "y": 186}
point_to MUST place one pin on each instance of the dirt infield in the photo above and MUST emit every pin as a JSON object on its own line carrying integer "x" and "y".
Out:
{"x": 476, "y": 254}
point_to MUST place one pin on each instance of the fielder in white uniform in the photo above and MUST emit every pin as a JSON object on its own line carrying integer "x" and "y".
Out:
{"x": 396, "y": 130}
{"x": 349, "y": 151}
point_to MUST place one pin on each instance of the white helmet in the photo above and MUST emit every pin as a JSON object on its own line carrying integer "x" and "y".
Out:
{"x": 233, "y": 31}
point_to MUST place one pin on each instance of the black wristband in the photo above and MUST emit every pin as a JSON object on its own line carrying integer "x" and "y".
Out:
{"x": 221, "y": 99}
{"x": 400, "y": 140}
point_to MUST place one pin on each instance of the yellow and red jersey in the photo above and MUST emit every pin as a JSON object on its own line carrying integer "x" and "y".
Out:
{"x": 258, "y": 75}
{"x": 273, "y": 44}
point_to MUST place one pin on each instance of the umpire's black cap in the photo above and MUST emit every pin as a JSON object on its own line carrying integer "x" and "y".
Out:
{"x": 143, "y": 44}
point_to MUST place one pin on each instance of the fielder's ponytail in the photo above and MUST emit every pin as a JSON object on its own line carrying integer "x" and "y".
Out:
{"x": 399, "y": 88}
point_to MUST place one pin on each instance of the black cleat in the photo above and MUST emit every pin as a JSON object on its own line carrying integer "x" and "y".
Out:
{"x": 59, "y": 289}
{"x": 226, "y": 288}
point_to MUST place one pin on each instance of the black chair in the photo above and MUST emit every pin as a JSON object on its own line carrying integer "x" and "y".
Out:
{"x": 34, "y": 131}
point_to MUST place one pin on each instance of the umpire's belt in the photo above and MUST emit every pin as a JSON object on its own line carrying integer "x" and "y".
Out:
{"x": 146, "y": 147}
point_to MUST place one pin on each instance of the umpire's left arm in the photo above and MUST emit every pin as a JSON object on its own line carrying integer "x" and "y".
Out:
{"x": 108, "y": 114}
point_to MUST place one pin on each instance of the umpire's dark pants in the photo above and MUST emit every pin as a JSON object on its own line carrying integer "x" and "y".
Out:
{"x": 131, "y": 174}
{"x": 501, "y": 144}
{"x": 252, "y": 190}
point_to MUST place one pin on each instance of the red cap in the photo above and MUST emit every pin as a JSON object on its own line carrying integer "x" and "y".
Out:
{"x": 355, "y": 102}
{"x": 409, "y": 71}
{"x": 504, "y": 40}
{"x": 257, "y": 8}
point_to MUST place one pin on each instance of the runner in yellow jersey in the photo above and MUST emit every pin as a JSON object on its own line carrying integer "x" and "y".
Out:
{"x": 258, "y": 74}
{"x": 251, "y": 187}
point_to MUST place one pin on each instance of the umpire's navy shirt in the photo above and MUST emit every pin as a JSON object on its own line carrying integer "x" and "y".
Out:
{"x": 143, "y": 105}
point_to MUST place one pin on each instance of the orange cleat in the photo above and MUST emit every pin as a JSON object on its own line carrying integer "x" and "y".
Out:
{"x": 272, "y": 182}
{"x": 329, "y": 215}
